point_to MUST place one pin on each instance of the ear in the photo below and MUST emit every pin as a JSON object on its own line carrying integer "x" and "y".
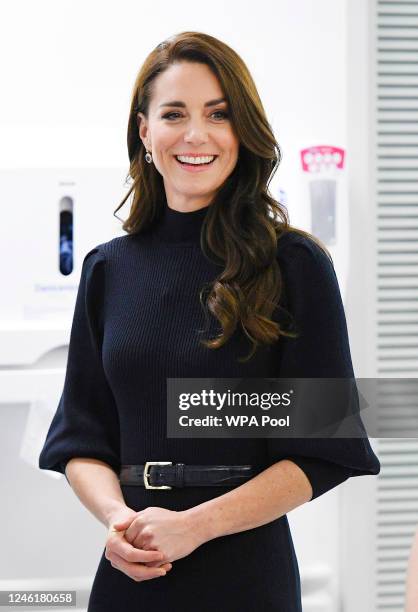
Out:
{"x": 143, "y": 130}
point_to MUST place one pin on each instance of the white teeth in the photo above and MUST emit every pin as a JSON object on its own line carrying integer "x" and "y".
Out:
{"x": 195, "y": 160}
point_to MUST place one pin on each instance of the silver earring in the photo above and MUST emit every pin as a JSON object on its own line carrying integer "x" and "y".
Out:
{"x": 148, "y": 157}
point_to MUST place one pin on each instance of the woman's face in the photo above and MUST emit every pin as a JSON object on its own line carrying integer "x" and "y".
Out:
{"x": 187, "y": 118}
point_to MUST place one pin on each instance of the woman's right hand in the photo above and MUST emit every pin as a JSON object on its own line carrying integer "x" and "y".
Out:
{"x": 130, "y": 560}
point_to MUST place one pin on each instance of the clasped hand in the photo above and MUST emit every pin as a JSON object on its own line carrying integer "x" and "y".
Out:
{"x": 146, "y": 542}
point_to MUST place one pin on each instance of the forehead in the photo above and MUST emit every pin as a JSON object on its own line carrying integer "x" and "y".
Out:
{"x": 190, "y": 82}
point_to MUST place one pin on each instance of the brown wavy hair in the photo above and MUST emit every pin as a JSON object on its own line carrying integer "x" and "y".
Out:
{"x": 242, "y": 235}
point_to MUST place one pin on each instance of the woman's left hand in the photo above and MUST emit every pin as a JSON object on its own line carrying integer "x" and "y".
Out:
{"x": 160, "y": 529}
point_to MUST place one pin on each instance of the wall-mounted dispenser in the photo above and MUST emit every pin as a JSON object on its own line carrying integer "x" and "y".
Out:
{"x": 66, "y": 241}
{"x": 323, "y": 169}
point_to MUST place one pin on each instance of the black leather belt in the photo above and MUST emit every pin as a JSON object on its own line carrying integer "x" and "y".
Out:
{"x": 165, "y": 475}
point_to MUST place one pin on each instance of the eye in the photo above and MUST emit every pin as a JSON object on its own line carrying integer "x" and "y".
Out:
{"x": 166, "y": 116}
{"x": 170, "y": 115}
{"x": 223, "y": 113}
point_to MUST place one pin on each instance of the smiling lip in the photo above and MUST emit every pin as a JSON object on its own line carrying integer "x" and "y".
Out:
{"x": 194, "y": 168}
{"x": 195, "y": 155}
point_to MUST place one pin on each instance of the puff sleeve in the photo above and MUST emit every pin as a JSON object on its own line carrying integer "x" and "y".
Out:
{"x": 86, "y": 422}
{"x": 321, "y": 350}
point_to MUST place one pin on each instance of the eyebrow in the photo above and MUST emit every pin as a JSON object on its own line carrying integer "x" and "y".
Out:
{"x": 181, "y": 104}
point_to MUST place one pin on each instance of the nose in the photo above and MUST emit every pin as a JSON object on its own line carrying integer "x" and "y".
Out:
{"x": 196, "y": 132}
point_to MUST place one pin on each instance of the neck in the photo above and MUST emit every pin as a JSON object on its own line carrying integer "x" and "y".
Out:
{"x": 179, "y": 227}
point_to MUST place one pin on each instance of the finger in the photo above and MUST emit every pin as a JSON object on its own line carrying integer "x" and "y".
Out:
{"x": 138, "y": 542}
{"x": 166, "y": 565}
{"x": 123, "y": 524}
{"x": 161, "y": 562}
{"x": 136, "y": 571}
{"x": 132, "y": 532}
{"x": 132, "y": 554}
{"x": 157, "y": 563}
{"x": 143, "y": 546}
{"x": 114, "y": 531}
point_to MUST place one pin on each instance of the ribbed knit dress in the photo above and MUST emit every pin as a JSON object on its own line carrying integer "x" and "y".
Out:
{"x": 137, "y": 321}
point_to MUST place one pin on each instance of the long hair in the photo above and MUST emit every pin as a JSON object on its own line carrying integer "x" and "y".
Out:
{"x": 244, "y": 222}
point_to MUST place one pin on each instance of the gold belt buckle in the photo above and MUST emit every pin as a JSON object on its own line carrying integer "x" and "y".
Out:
{"x": 146, "y": 475}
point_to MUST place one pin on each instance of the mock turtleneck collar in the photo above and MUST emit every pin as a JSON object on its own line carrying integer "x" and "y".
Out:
{"x": 175, "y": 227}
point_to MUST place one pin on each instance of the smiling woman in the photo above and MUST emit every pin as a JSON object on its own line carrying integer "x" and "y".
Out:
{"x": 194, "y": 97}
{"x": 201, "y": 221}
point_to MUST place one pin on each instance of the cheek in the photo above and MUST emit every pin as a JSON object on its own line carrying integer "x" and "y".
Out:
{"x": 231, "y": 156}
{"x": 164, "y": 143}
{"x": 231, "y": 145}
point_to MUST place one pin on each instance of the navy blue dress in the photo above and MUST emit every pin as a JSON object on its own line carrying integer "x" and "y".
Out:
{"x": 136, "y": 322}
